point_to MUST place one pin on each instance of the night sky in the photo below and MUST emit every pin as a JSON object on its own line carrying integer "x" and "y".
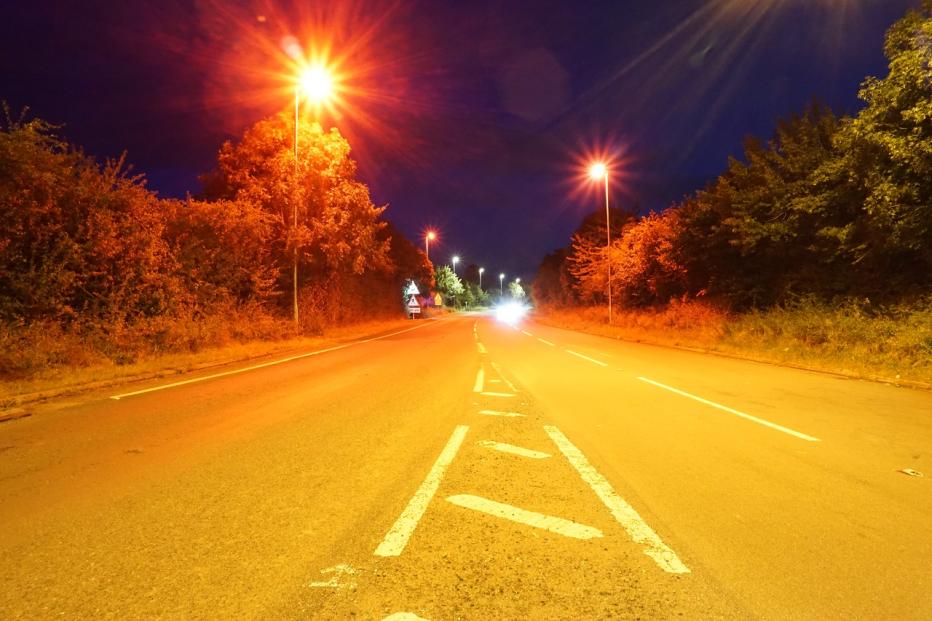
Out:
{"x": 473, "y": 117}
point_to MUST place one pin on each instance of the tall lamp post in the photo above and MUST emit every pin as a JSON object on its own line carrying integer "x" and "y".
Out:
{"x": 501, "y": 284}
{"x": 599, "y": 171}
{"x": 455, "y": 260}
{"x": 317, "y": 85}
{"x": 431, "y": 236}
{"x": 481, "y": 269}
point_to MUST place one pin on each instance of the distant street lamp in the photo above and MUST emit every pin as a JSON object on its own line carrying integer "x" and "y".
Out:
{"x": 599, "y": 171}
{"x": 481, "y": 269}
{"x": 317, "y": 85}
{"x": 455, "y": 260}
{"x": 501, "y": 284}
{"x": 431, "y": 236}
{"x": 517, "y": 281}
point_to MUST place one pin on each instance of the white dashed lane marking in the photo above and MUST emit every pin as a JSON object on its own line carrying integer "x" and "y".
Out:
{"x": 500, "y": 413}
{"x": 514, "y": 450}
{"x": 724, "y": 408}
{"x": 585, "y": 357}
{"x": 550, "y": 523}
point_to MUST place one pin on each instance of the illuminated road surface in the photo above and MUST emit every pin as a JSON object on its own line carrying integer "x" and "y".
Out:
{"x": 471, "y": 470}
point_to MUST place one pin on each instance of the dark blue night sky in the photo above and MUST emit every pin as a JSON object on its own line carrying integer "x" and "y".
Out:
{"x": 470, "y": 116}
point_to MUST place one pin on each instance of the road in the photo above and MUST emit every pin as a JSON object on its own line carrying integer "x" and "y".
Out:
{"x": 469, "y": 469}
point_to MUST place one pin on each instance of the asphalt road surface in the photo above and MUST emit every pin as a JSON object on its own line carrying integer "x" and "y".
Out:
{"x": 469, "y": 469}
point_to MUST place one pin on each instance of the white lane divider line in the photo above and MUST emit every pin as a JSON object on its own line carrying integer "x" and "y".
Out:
{"x": 481, "y": 347}
{"x": 498, "y": 370}
{"x": 526, "y": 333}
{"x": 557, "y": 525}
{"x": 514, "y": 450}
{"x": 263, "y": 365}
{"x": 337, "y": 572}
{"x": 495, "y": 381}
{"x": 404, "y": 616}
{"x": 480, "y": 381}
{"x": 499, "y": 413}
{"x": 496, "y": 394}
{"x": 584, "y": 357}
{"x": 623, "y": 513}
{"x": 397, "y": 537}
{"x": 545, "y": 342}
{"x": 724, "y": 408}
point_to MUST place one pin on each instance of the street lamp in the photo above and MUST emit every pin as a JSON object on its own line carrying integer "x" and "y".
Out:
{"x": 455, "y": 260}
{"x": 481, "y": 269}
{"x": 431, "y": 236}
{"x": 501, "y": 284}
{"x": 317, "y": 85}
{"x": 599, "y": 171}
{"x": 517, "y": 281}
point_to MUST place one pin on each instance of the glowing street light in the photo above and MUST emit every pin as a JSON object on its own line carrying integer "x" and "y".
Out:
{"x": 429, "y": 237}
{"x": 599, "y": 171}
{"x": 455, "y": 260}
{"x": 501, "y": 283}
{"x": 517, "y": 281}
{"x": 481, "y": 269}
{"x": 316, "y": 83}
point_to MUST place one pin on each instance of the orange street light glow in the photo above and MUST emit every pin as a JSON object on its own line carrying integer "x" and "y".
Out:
{"x": 431, "y": 235}
{"x": 598, "y": 170}
{"x": 316, "y": 83}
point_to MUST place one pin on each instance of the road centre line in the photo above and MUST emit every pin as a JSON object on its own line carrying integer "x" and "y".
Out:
{"x": 725, "y": 408}
{"x": 623, "y": 513}
{"x": 482, "y": 349}
{"x": 545, "y": 342}
{"x": 263, "y": 365}
{"x": 514, "y": 450}
{"x": 557, "y": 525}
{"x": 496, "y": 394}
{"x": 498, "y": 370}
{"x": 584, "y": 357}
{"x": 526, "y": 333}
{"x": 480, "y": 380}
{"x": 500, "y": 413}
{"x": 397, "y": 537}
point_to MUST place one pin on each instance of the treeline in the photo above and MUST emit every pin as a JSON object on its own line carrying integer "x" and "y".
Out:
{"x": 828, "y": 208}
{"x": 88, "y": 248}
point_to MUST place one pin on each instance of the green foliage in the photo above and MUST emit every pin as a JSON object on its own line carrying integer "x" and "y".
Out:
{"x": 76, "y": 238}
{"x": 448, "y": 284}
{"x": 516, "y": 291}
{"x": 828, "y": 207}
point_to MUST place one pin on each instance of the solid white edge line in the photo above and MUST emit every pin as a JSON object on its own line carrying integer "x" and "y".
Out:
{"x": 725, "y": 408}
{"x": 558, "y": 525}
{"x": 546, "y": 342}
{"x": 260, "y": 366}
{"x": 623, "y": 513}
{"x": 480, "y": 381}
{"x": 504, "y": 447}
{"x": 584, "y": 357}
{"x": 397, "y": 537}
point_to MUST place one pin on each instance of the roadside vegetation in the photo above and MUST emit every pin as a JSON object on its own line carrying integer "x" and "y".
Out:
{"x": 97, "y": 271}
{"x": 815, "y": 247}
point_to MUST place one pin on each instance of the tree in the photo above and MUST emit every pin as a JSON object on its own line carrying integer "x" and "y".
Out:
{"x": 77, "y": 239}
{"x": 337, "y": 227}
{"x": 516, "y": 291}
{"x": 888, "y": 160}
{"x": 553, "y": 284}
{"x": 448, "y": 284}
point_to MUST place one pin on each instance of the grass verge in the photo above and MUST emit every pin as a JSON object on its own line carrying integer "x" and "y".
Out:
{"x": 891, "y": 344}
{"x": 73, "y": 365}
